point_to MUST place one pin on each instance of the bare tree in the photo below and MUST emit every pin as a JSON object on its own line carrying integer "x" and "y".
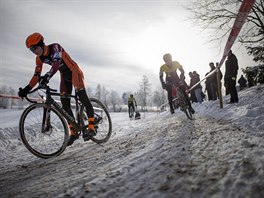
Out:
{"x": 104, "y": 96}
{"x": 7, "y": 102}
{"x": 159, "y": 97}
{"x": 145, "y": 90}
{"x": 219, "y": 17}
{"x": 114, "y": 100}
{"x": 124, "y": 97}
{"x": 98, "y": 92}
{"x": 90, "y": 92}
{"x": 101, "y": 94}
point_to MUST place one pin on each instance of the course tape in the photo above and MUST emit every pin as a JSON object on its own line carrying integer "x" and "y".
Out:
{"x": 243, "y": 12}
{"x": 18, "y": 98}
{"x": 9, "y": 96}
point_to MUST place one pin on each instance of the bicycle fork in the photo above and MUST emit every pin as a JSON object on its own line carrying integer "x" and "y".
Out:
{"x": 46, "y": 126}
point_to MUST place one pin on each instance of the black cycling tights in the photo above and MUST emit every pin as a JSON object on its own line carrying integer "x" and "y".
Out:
{"x": 82, "y": 95}
{"x": 66, "y": 103}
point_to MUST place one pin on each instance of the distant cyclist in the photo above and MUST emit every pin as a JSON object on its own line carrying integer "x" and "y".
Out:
{"x": 70, "y": 73}
{"x": 131, "y": 102}
{"x": 170, "y": 69}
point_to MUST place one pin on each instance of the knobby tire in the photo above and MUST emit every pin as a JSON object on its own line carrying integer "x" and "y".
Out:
{"x": 43, "y": 143}
{"x": 183, "y": 104}
{"x": 103, "y": 123}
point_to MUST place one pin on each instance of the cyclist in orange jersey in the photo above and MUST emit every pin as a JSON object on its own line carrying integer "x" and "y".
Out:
{"x": 70, "y": 73}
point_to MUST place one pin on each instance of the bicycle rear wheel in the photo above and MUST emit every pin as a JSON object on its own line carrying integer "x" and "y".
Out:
{"x": 131, "y": 113}
{"x": 102, "y": 121}
{"x": 42, "y": 139}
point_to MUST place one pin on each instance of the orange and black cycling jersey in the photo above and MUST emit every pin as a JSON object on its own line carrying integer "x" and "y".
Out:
{"x": 59, "y": 59}
{"x": 171, "y": 72}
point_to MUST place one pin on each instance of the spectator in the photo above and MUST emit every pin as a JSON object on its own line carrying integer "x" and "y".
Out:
{"x": 213, "y": 82}
{"x": 198, "y": 88}
{"x": 221, "y": 76}
{"x": 226, "y": 88}
{"x": 192, "y": 93}
{"x": 208, "y": 87}
{"x": 231, "y": 66}
{"x": 242, "y": 82}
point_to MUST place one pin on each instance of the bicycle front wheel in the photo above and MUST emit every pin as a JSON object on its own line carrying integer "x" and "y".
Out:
{"x": 188, "y": 113}
{"x": 45, "y": 134}
{"x": 102, "y": 121}
{"x": 183, "y": 104}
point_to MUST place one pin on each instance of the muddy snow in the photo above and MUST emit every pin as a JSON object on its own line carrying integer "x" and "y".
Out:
{"x": 218, "y": 154}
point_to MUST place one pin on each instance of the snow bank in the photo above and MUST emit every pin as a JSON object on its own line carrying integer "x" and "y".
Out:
{"x": 218, "y": 154}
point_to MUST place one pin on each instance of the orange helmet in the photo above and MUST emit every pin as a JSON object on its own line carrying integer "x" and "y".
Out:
{"x": 34, "y": 39}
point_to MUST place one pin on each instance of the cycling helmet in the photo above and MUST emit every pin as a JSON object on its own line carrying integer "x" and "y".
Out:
{"x": 167, "y": 57}
{"x": 34, "y": 39}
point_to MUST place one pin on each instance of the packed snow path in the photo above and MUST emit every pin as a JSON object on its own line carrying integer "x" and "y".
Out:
{"x": 157, "y": 156}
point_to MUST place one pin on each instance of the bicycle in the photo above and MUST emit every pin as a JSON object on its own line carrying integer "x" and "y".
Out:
{"x": 178, "y": 100}
{"x": 131, "y": 112}
{"x": 43, "y": 126}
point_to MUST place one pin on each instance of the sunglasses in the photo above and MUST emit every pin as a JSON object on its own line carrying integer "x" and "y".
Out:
{"x": 33, "y": 48}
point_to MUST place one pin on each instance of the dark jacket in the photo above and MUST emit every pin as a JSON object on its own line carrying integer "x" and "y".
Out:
{"x": 195, "y": 79}
{"x": 242, "y": 81}
{"x": 213, "y": 78}
{"x": 231, "y": 66}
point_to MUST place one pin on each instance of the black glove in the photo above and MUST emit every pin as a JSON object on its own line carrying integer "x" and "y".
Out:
{"x": 182, "y": 77}
{"x": 43, "y": 80}
{"x": 23, "y": 92}
{"x": 164, "y": 86}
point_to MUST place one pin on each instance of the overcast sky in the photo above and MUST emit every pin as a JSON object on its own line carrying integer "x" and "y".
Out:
{"x": 114, "y": 42}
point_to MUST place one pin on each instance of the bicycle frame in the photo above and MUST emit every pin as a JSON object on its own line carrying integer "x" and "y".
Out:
{"x": 131, "y": 110}
{"x": 175, "y": 97}
{"x": 50, "y": 101}
{"x": 180, "y": 101}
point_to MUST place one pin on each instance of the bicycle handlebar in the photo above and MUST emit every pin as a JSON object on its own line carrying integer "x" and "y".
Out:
{"x": 45, "y": 87}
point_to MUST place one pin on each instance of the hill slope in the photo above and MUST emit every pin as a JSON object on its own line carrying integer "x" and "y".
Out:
{"x": 218, "y": 154}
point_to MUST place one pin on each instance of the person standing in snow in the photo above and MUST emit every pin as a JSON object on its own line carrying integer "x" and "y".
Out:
{"x": 192, "y": 93}
{"x": 213, "y": 81}
{"x": 198, "y": 88}
{"x": 231, "y": 67}
{"x": 170, "y": 69}
{"x": 208, "y": 87}
{"x": 70, "y": 73}
{"x": 242, "y": 82}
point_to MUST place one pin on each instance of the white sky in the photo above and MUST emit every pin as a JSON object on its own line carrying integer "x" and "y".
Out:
{"x": 114, "y": 42}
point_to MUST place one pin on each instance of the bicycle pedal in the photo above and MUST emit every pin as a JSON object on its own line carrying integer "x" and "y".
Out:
{"x": 86, "y": 138}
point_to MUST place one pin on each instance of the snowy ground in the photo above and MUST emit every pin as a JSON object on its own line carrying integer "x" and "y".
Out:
{"x": 218, "y": 154}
